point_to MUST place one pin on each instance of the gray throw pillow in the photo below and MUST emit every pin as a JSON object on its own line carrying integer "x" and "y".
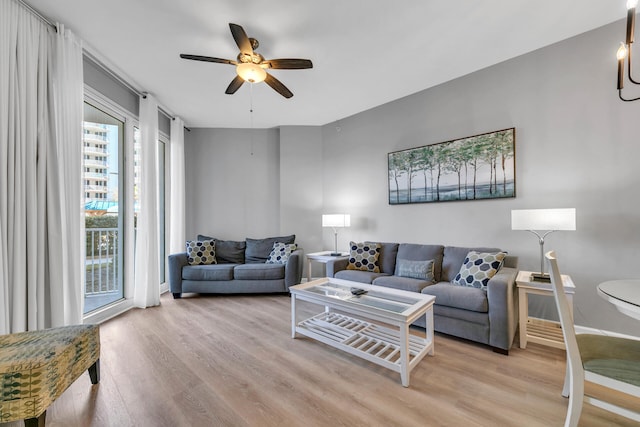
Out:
{"x": 258, "y": 250}
{"x": 415, "y": 269}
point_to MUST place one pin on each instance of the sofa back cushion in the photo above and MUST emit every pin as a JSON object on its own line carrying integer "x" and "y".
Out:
{"x": 454, "y": 257}
{"x": 258, "y": 250}
{"x": 227, "y": 251}
{"x": 387, "y": 259}
{"x": 415, "y": 252}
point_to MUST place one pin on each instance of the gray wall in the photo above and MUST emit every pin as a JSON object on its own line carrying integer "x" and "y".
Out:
{"x": 576, "y": 146}
{"x": 232, "y": 183}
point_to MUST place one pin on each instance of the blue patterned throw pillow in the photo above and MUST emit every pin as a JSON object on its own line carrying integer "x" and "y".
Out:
{"x": 478, "y": 268}
{"x": 364, "y": 257}
{"x": 281, "y": 252}
{"x": 201, "y": 252}
{"x": 422, "y": 270}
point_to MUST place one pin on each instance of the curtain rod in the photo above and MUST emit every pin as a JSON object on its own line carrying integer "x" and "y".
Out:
{"x": 38, "y": 14}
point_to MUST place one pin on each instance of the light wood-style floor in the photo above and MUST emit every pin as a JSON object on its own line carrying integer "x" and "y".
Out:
{"x": 230, "y": 361}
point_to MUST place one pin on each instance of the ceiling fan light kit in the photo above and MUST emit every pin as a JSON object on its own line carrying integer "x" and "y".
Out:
{"x": 251, "y": 73}
{"x": 252, "y": 67}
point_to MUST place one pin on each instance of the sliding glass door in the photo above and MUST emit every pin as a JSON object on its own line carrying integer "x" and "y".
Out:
{"x": 112, "y": 188}
{"x": 103, "y": 144}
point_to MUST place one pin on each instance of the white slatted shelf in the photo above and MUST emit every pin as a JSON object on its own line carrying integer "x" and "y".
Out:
{"x": 370, "y": 341}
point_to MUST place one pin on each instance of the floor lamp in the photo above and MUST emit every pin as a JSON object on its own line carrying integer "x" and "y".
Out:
{"x": 542, "y": 222}
{"x": 336, "y": 221}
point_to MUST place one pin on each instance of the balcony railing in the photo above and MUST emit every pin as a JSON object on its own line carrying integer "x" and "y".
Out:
{"x": 102, "y": 274}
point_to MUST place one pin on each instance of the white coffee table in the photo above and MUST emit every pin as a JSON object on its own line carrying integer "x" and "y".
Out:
{"x": 373, "y": 326}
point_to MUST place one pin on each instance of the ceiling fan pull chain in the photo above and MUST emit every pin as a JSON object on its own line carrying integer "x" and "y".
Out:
{"x": 251, "y": 114}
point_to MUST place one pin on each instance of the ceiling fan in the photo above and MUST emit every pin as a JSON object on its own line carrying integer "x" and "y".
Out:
{"x": 251, "y": 66}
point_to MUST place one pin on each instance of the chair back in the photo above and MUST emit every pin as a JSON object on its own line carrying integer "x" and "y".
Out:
{"x": 574, "y": 361}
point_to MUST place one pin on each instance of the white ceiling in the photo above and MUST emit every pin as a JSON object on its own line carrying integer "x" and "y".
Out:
{"x": 365, "y": 52}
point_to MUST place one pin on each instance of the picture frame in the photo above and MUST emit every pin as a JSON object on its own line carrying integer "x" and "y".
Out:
{"x": 478, "y": 167}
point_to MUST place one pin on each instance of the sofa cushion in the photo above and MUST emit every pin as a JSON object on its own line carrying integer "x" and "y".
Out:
{"x": 281, "y": 252}
{"x": 478, "y": 268}
{"x": 208, "y": 272}
{"x": 259, "y": 271}
{"x": 364, "y": 257}
{"x": 415, "y": 252}
{"x": 422, "y": 270}
{"x": 404, "y": 283}
{"x": 227, "y": 251}
{"x": 258, "y": 250}
{"x": 463, "y": 297}
{"x": 201, "y": 252}
{"x": 453, "y": 258}
{"x": 358, "y": 276}
{"x": 387, "y": 259}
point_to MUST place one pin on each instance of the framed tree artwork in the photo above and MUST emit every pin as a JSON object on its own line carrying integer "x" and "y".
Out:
{"x": 472, "y": 168}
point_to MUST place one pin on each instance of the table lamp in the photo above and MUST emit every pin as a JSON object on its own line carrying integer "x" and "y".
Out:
{"x": 542, "y": 222}
{"x": 336, "y": 221}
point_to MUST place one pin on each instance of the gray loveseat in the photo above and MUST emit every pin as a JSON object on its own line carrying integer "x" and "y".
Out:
{"x": 488, "y": 316}
{"x": 241, "y": 268}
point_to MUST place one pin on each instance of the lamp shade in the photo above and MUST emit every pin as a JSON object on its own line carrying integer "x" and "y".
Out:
{"x": 336, "y": 220}
{"x": 543, "y": 219}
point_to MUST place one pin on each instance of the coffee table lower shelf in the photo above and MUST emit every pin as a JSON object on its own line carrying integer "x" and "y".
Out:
{"x": 370, "y": 341}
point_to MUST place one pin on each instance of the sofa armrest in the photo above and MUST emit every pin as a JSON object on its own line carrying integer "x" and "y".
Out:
{"x": 503, "y": 308}
{"x": 335, "y": 265}
{"x": 293, "y": 268}
{"x": 176, "y": 262}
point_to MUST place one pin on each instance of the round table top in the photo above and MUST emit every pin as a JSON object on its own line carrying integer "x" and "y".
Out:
{"x": 624, "y": 294}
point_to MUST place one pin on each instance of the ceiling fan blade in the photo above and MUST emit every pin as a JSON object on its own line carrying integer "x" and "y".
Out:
{"x": 278, "y": 86}
{"x": 234, "y": 85}
{"x": 241, "y": 38}
{"x": 207, "y": 59}
{"x": 289, "y": 64}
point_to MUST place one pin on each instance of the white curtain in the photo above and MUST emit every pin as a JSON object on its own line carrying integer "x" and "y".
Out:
{"x": 177, "y": 226}
{"x": 41, "y": 86}
{"x": 147, "y": 275}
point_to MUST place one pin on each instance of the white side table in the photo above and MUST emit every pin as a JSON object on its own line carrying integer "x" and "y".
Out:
{"x": 537, "y": 330}
{"x": 323, "y": 258}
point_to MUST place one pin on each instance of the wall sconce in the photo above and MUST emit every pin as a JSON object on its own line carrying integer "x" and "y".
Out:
{"x": 336, "y": 221}
{"x": 624, "y": 51}
{"x": 544, "y": 221}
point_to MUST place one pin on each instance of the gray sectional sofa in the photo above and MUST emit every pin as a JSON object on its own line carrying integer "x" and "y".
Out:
{"x": 488, "y": 316}
{"x": 240, "y": 268}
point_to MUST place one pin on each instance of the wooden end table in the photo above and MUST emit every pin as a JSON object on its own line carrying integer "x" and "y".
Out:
{"x": 540, "y": 331}
{"x": 323, "y": 258}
